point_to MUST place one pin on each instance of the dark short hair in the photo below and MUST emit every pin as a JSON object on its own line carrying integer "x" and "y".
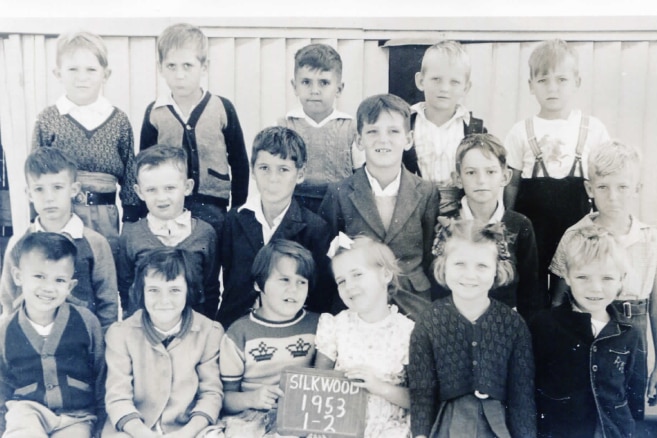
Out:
{"x": 371, "y": 108}
{"x": 266, "y": 259}
{"x": 159, "y": 154}
{"x": 53, "y": 246}
{"x": 281, "y": 142}
{"x": 182, "y": 35}
{"x": 488, "y": 144}
{"x": 169, "y": 263}
{"x": 49, "y": 160}
{"x": 318, "y": 57}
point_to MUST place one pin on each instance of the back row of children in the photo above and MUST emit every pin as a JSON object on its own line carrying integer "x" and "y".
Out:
{"x": 382, "y": 199}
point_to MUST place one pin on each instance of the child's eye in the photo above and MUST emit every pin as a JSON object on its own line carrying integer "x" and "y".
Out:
{"x": 563, "y": 79}
{"x": 541, "y": 81}
{"x": 39, "y": 276}
{"x": 151, "y": 290}
{"x": 58, "y": 187}
{"x": 305, "y": 82}
{"x": 263, "y": 168}
{"x": 469, "y": 172}
{"x": 284, "y": 169}
{"x": 492, "y": 171}
{"x": 302, "y": 282}
{"x": 324, "y": 83}
{"x": 482, "y": 266}
{"x": 453, "y": 82}
{"x": 60, "y": 280}
{"x": 339, "y": 282}
{"x": 176, "y": 290}
{"x": 582, "y": 277}
{"x": 171, "y": 67}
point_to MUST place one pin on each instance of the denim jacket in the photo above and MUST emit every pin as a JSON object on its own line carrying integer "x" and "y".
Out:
{"x": 584, "y": 382}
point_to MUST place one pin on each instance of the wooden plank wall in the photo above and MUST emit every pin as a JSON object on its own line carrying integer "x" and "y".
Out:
{"x": 255, "y": 73}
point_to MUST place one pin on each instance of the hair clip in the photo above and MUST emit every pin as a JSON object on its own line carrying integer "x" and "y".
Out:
{"x": 438, "y": 247}
{"x": 339, "y": 241}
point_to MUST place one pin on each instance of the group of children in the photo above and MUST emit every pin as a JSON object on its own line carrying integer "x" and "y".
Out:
{"x": 401, "y": 248}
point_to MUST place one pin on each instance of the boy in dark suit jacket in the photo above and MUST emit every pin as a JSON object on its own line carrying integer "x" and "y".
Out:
{"x": 277, "y": 164}
{"x": 384, "y": 201}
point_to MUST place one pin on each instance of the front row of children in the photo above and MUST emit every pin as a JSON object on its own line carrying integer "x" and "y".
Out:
{"x": 467, "y": 367}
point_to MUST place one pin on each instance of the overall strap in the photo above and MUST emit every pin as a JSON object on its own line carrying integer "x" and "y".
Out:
{"x": 581, "y": 141}
{"x": 476, "y": 126}
{"x": 533, "y": 143}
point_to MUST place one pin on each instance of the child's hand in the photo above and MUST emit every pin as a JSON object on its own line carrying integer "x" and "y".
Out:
{"x": 365, "y": 378}
{"x": 266, "y": 397}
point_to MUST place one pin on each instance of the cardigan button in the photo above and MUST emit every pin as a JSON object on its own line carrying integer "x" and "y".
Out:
{"x": 594, "y": 348}
{"x": 594, "y": 368}
{"x": 474, "y": 343}
{"x": 474, "y": 362}
{"x": 50, "y": 386}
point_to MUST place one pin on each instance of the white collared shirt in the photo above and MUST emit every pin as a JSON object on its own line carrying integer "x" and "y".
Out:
{"x": 167, "y": 99}
{"x": 298, "y": 113}
{"x": 466, "y": 212}
{"x": 172, "y": 331}
{"x": 391, "y": 190}
{"x": 254, "y": 203}
{"x": 74, "y": 227}
{"x": 436, "y": 145}
{"x": 90, "y": 116}
{"x": 173, "y": 231}
{"x": 42, "y": 330}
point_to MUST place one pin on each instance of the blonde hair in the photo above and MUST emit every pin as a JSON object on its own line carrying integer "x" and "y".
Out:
{"x": 549, "y": 54}
{"x": 473, "y": 232}
{"x": 453, "y": 50}
{"x": 182, "y": 35}
{"x": 586, "y": 245}
{"x": 613, "y": 156}
{"x": 72, "y": 41}
{"x": 379, "y": 254}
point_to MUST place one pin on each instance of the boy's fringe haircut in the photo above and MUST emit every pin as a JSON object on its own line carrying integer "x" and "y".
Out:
{"x": 268, "y": 256}
{"x": 371, "y": 108}
{"x": 613, "y": 156}
{"x": 281, "y": 142}
{"x": 69, "y": 42}
{"x": 453, "y": 50}
{"x": 53, "y": 246}
{"x": 380, "y": 255}
{"x": 475, "y": 232}
{"x": 182, "y": 35}
{"x": 49, "y": 160}
{"x": 593, "y": 244}
{"x": 169, "y": 263}
{"x": 159, "y": 154}
{"x": 318, "y": 57}
{"x": 548, "y": 54}
{"x": 488, "y": 144}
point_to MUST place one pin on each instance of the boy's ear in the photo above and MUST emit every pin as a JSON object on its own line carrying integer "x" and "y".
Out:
{"x": 531, "y": 86}
{"x": 409, "y": 140}
{"x": 418, "y": 81}
{"x": 359, "y": 143}
{"x": 138, "y": 191}
{"x": 294, "y": 85}
{"x": 301, "y": 175}
{"x": 468, "y": 85}
{"x": 387, "y": 275}
{"x": 256, "y": 287}
{"x": 72, "y": 284}
{"x": 578, "y": 81}
{"x": 339, "y": 90}
{"x": 506, "y": 176}
{"x": 108, "y": 73}
{"x": 57, "y": 72}
{"x": 75, "y": 188}
{"x": 16, "y": 275}
{"x": 588, "y": 188}
{"x": 189, "y": 186}
{"x": 456, "y": 177}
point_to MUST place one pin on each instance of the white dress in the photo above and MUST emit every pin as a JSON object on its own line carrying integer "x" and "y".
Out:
{"x": 381, "y": 346}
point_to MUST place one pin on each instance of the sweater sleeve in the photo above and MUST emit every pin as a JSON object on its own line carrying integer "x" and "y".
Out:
{"x": 423, "y": 384}
{"x": 210, "y": 272}
{"x": 149, "y": 132}
{"x": 237, "y": 157}
{"x": 129, "y": 199}
{"x": 429, "y": 229}
{"x": 209, "y": 394}
{"x": 103, "y": 279}
{"x": 530, "y": 299}
{"x": 520, "y": 385}
{"x": 39, "y": 136}
{"x": 97, "y": 358}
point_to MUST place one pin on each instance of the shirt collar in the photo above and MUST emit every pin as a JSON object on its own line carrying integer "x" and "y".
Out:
{"x": 460, "y": 113}
{"x": 74, "y": 227}
{"x": 391, "y": 190}
{"x": 100, "y": 107}
{"x": 633, "y": 236}
{"x": 184, "y": 219}
{"x": 167, "y": 99}
{"x": 298, "y": 113}
{"x": 466, "y": 211}
{"x": 254, "y": 203}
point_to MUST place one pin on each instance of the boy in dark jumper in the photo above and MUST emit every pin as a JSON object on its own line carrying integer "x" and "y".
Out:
{"x": 52, "y": 366}
{"x": 162, "y": 184}
{"x": 203, "y": 124}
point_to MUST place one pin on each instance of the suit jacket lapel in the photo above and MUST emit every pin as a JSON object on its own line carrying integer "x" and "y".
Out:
{"x": 292, "y": 223}
{"x": 407, "y": 202}
{"x": 362, "y": 198}
{"x": 251, "y": 228}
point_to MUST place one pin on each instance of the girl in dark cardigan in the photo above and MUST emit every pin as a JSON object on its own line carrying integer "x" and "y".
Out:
{"x": 471, "y": 369}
